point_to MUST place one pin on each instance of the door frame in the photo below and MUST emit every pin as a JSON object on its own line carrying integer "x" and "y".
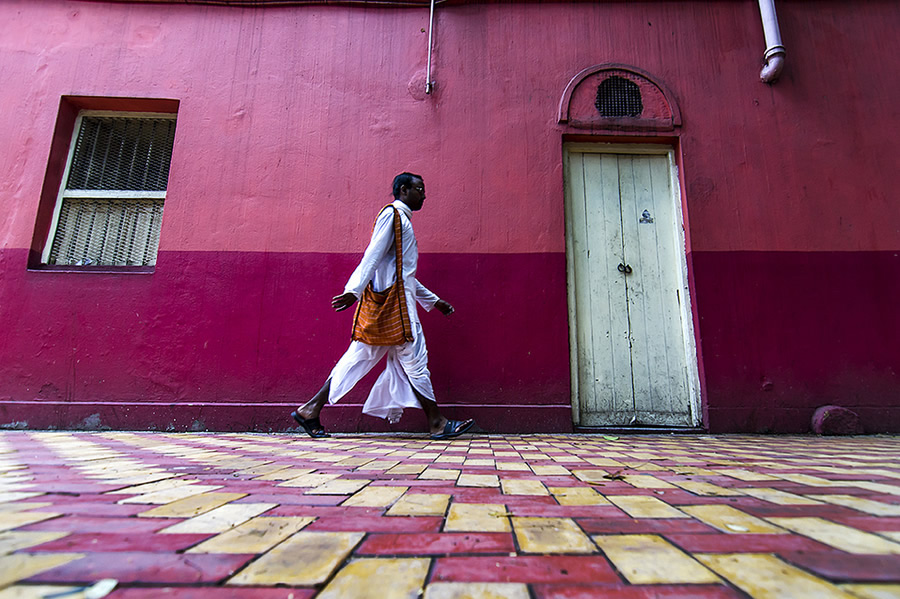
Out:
{"x": 687, "y": 315}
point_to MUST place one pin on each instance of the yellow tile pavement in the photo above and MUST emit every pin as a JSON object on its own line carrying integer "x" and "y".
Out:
{"x": 19, "y": 566}
{"x": 420, "y": 504}
{"x": 767, "y": 577}
{"x": 375, "y": 497}
{"x": 578, "y": 496}
{"x": 220, "y": 519}
{"x": 403, "y": 578}
{"x": 257, "y": 535}
{"x": 15, "y": 540}
{"x": 731, "y": 520}
{"x": 304, "y": 559}
{"x": 477, "y": 517}
{"x": 523, "y": 486}
{"x": 191, "y": 506}
{"x": 551, "y": 535}
{"x": 839, "y": 536}
{"x": 643, "y": 506}
{"x": 650, "y": 559}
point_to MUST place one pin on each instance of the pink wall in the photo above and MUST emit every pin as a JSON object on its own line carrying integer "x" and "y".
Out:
{"x": 291, "y": 123}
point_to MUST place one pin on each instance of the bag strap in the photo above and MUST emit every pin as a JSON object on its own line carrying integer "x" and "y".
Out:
{"x": 398, "y": 245}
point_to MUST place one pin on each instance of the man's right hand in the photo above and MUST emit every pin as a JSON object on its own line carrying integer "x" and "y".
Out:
{"x": 343, "y": 301}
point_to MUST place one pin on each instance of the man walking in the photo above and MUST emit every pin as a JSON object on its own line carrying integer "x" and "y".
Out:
{"x": 406, "y": 381}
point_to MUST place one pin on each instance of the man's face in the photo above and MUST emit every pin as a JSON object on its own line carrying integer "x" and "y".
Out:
{"x": 415, "y": 195}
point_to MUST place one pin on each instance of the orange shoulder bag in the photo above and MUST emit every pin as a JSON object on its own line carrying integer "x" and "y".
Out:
{"x": 381, "y": 317}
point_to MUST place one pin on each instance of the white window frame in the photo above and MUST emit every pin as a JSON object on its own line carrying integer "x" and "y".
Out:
{"x": 117, "y": 194}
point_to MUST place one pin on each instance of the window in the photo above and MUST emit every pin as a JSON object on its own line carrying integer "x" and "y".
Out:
{"x": 110, "y": 203}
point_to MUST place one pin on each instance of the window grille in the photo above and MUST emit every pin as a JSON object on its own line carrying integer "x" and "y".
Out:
{"x": 618, "y": 97}
{"x": 110, "y": 208}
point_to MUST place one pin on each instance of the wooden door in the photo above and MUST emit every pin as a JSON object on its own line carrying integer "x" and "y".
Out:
{"x": 630, "y": 314}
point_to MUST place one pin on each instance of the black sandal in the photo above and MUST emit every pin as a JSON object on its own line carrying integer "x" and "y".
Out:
{"x": 313, "y": 426}
{"x": 453, "y": 428}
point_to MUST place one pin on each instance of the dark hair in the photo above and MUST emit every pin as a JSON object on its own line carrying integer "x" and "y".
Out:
{"x": 404, "y": 179}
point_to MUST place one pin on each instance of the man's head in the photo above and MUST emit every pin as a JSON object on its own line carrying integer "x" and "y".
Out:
{"x": 409, "y": 188}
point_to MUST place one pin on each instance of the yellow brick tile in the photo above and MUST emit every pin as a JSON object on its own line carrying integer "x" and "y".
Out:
{"x": 19, "y": 566}
{"x": 375, "y": 497}
{"x": 401, "y": 454}
{"x": 489, "y": 462}
{"x": 408, "y": 469}
{"x": 872, "y": 486}
{"x": 340, "y": 486}
{"x": 810, "y": 481}
{"x": 379, "y": 465}
{"x": 550, "y": 470}
{"x": 426, "y": 456}
{"x": 378, "y": 578}
{"x": 29, "y": 591}
{"x": 420, "y": 504}
{"x": 551, "y": 535}
{"x": 578, "y": 496}
{"x": 592, "y": 476}
{"x": 481, "y": 451}
{"x": 477, "y": 517}
{"x": 780, "y": 497}
{"x": 650, "y": 559}
{"x": 257, "y": 535}
{"x": 870, "y": 591}
{"x": 478, "y": 480}
{"x": 192, "y": 506}
{"x": 304, "y": 559}
{"x": 16, "y": 540}
{"x": 767, "y": 577}
{"x": 521, "y": 486}
{"x": 170, "y": 495}
{"x": 439, "y": 474}
{"x": 11, "y": 520}
{"x": 895, "y": 536}
{"x": 450, "y": 459}
{"x": 513, "y": 466}
{"x": 354, "y": 462}
{"x": 643, "y": 506}
{"x": 286, "y": 474}
{"x": 162, "y": 485}
{"x": 220, "y": 519}
{"x": 22, "y": 506}
{"x": 506, "y": 454}
{"x": 644, "y": 481}
{"x": 839, "y": 536}
{"x": 730, "y": 520}
{"x": 706, "y": 489}
{"x": 476, "y": 590}
{"x": 309, "y": 480}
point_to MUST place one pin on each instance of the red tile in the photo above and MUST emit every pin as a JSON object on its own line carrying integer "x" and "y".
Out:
{"x": 436, "y": 544}
{"x": 526, "y": 569}
{"x": 733, "y": 543}
{"x": 145, "y": 567}
{"x": 93, "y": 508}
{"x": 840, "y": 566}
{"x": 643, "y": 526}
{"x": 86, "y": 524}
{"x": 869, "y": 523}
{"x": 543, "y": 591}
{"x": 156, "y": 543}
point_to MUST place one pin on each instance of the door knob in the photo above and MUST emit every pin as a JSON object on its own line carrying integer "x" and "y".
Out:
{"x": 624, "y": 268}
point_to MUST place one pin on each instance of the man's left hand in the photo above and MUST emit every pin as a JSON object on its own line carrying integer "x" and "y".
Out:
{"x": 445, "y": 308}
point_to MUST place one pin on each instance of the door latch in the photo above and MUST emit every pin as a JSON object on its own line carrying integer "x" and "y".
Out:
{"x": 624, "y": 268}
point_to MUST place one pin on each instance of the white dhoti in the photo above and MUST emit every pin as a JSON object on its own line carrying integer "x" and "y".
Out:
{"x": 406, "y": 368}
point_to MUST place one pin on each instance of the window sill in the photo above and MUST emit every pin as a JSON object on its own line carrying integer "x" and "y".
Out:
{"x": 116, "y": 270}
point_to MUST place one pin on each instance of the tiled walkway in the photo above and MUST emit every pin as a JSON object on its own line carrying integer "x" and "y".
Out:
{"x": 540, "y": 517}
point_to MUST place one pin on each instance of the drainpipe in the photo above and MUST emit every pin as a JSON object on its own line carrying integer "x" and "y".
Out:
{"x": 429, "y": 84}
{"x": 774, "y": 50}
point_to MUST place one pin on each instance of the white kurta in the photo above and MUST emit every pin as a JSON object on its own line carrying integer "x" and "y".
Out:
{"x": 407, "y": 364}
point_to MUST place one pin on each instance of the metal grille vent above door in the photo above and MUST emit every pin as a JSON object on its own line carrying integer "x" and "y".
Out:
{"x": 619, "y": 97}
